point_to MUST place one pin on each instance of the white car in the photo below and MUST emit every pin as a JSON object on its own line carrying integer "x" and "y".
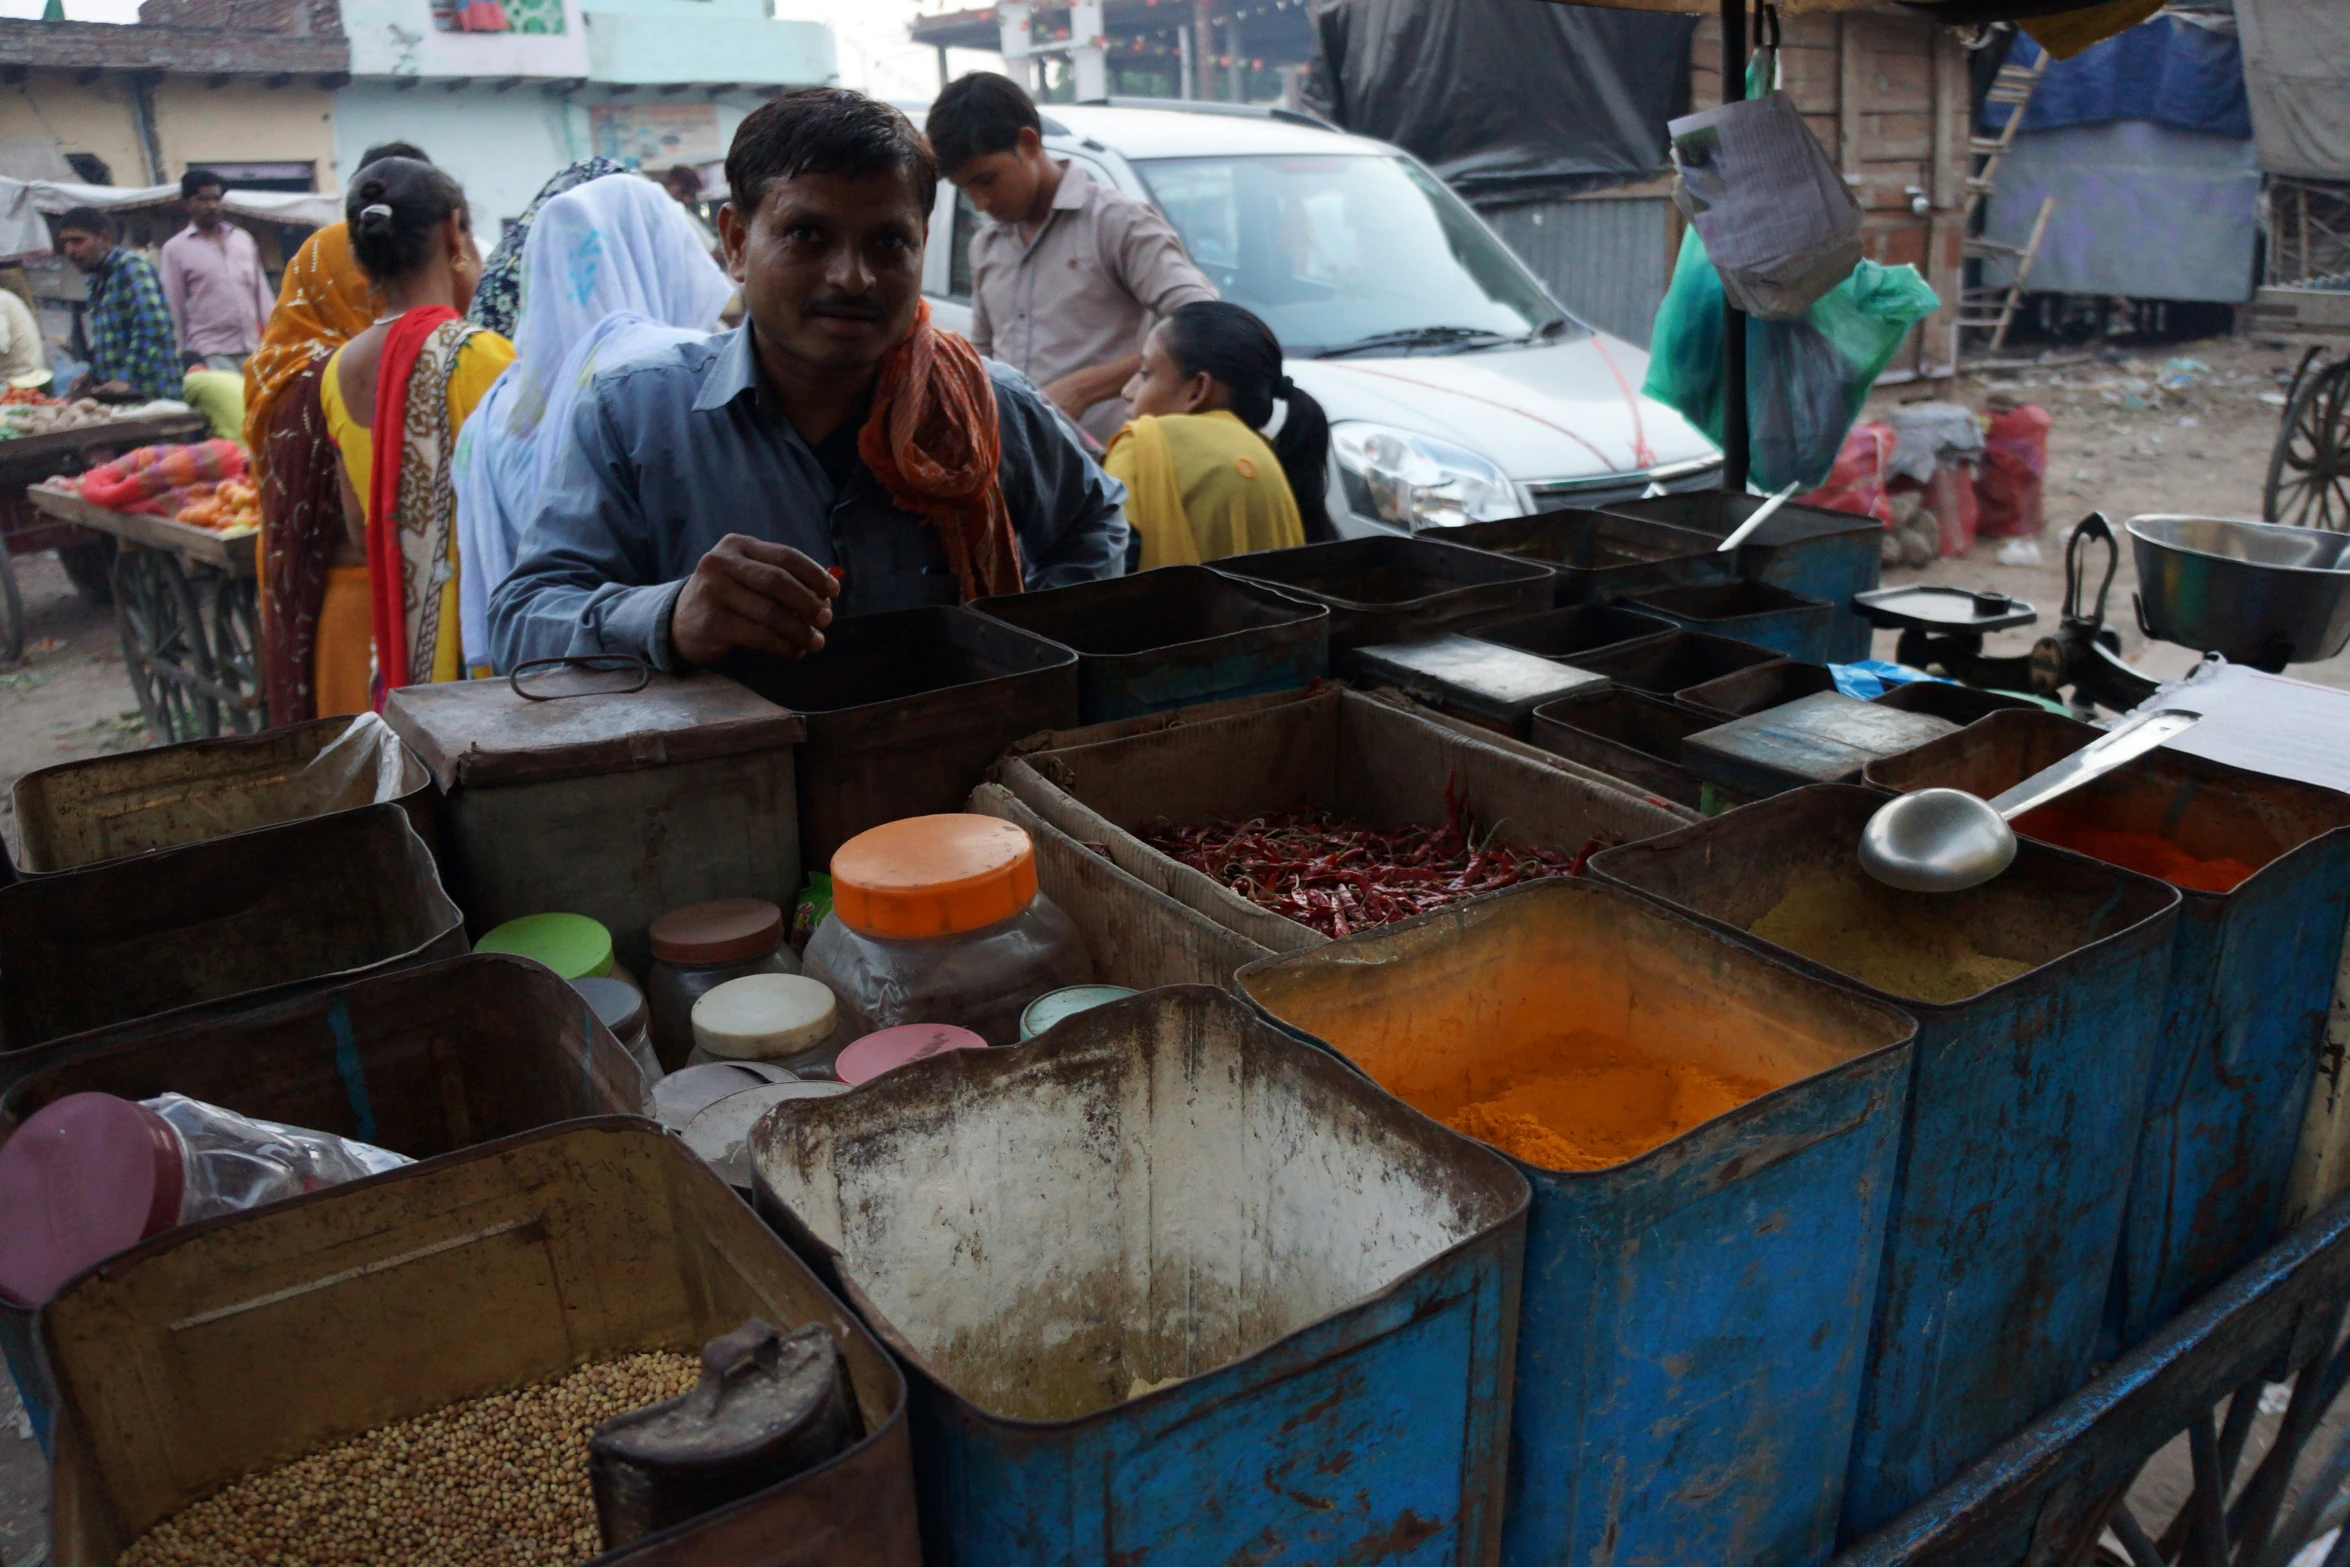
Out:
{"x": 1458, "y": 390}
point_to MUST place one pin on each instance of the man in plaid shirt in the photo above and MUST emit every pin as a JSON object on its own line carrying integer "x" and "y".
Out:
{"x": 134, "y": 352}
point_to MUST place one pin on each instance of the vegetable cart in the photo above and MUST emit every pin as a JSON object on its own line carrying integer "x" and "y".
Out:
{"x": 2309, "y": 470}
{"x": 25, "y": 530}
{"x": 187, "y": 610}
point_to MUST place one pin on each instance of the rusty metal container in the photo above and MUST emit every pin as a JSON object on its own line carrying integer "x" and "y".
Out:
{"x": 215, "y": 1350}
{"x": 1494, "y": 687}
{"x": 1625, "y": 734}
{"x": 1757, "y": 612}
{"x": 2028, "y": 1098}
{"x": 1822, "y": 554}
{"x": 1688, "y": 1369}
{"x": 1355, "y": 755}
{"x": 606, "y": 797}
{"x": 419, "y": 1060}
{"x": 219, "y": 925}
{"x": 1135, "y": 934}
{"x": 1598, "y": 557}
{"x": 1663, "y": 666}
{"x": 1962, "y": 705}
{"x": 1171, "y": 1286}
{"x": 2251, "y": 980}
{"x": 905, "y": 710}
{"x": 1826, "y": 737}
{"x": 1173, "y": 637}
{"x": 1566, "y": 634}
{"x": 79, "y": 814}
{"x": 1398, "y": 590}
{"x": 1756, "y": 689}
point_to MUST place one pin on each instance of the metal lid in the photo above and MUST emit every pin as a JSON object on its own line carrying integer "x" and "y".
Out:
{"x": 477, "y": 732}
{"x": 81, "y": 1180}
{"x": 890, "y": 1048}
{"x": 933, "y": 876}
{"x": 1054, "y": 1005}
{"x": 719, "y": 1134}
{"x": 688, "y": 1091}
{"x": 724, "y": 930}
{"x": 1482, "y": 678}
{"x": 617, "y": 1004}
{"x": 573, "y": 945}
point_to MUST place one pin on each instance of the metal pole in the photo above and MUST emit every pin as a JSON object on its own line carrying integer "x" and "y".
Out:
{"x": 1189, "y": 86}
{"x": 1735, "y": 440}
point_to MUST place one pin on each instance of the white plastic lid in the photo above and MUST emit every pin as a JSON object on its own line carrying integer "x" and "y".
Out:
{"x": 721, "y": 1133}
{"x": 763, "y": 1016}
{"x": 687, "y": 1092}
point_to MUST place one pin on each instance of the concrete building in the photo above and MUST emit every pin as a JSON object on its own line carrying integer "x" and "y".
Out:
{"x": 503, "y": 93}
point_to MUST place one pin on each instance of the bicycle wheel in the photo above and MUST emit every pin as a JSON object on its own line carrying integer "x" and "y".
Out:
{"x": 2309, "y": 471}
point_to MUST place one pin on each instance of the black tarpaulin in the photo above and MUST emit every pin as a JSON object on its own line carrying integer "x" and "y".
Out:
{"x": 1509, "y": 101}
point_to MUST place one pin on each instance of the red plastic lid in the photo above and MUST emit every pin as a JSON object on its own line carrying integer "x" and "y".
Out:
{"x": 725, "y": 930}
{"x": 889, "y": 1048}
{"x": 81, "y": 1180}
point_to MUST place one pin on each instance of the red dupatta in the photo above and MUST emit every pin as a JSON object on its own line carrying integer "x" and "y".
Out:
{"x": 387, "y": 437}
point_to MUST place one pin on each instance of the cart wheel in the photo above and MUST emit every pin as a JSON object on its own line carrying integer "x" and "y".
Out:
{"x": 2309, "y": 472}
{"x": 90, "y": 567}
{"x": 236, "y": 649}
{"x": 157, "y": 618}
{"x": 11, "y": 610}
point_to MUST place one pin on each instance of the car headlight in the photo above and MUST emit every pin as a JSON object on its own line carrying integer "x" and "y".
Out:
{"x": 1416, "y": 481}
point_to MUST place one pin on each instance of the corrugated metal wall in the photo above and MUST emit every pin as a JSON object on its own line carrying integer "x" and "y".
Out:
{"x": 1604, "y": 258}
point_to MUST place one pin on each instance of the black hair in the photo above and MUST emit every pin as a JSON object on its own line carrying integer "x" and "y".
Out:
{"x": 392, "y": 209}
{"x": 684, "y": 174}
{"x": 392, "y": 149}
{"x": 979, "y": 114}
{"x": 89, "y": 220}
{"x": 825, "y": 130}
{"x": 1237, "y": 348}
{"x": 196, "y": 179}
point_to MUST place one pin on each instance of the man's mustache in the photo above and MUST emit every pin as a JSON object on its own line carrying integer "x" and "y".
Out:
{"x": 853, "y": 306}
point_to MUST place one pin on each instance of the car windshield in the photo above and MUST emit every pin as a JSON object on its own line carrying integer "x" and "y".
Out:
{"x": 1353, "y": 249}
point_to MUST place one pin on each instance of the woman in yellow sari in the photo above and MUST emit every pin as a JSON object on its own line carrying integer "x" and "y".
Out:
{"x": 1202, "y": 481}
{"x": 395, "y": 397}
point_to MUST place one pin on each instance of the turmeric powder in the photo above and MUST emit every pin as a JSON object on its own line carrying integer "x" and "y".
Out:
{"x": 1585, "y": 1100}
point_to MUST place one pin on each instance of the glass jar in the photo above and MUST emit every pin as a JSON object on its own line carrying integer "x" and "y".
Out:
{"x": 699, "y": 947}
{"x": 936, "y": 919}
{"x": 620, "y": 1007}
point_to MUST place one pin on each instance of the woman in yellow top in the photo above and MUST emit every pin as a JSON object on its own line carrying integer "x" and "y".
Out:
{"x": 1201, "y": 481}
{"x": 394, "y": 398}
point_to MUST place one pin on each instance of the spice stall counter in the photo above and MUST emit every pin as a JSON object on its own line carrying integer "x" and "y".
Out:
{"x": 187, "y": 610}
{"x": 26, "y": 530}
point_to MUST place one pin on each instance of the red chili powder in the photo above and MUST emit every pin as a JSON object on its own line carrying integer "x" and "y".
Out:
{"x": 2149, "y": 854}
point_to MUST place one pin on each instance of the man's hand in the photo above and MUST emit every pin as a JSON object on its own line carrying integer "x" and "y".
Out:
{"x": 112, "y": 392}
{"x": 751, "y": 594}
{"x": 1081, "y": 389}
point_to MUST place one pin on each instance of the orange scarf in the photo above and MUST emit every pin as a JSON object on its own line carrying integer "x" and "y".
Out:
{"x": 324, "y": 302}
{"x": 933, "y": 442}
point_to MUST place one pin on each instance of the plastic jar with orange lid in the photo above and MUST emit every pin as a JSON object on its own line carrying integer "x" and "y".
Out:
{"x": 936, "y": 919}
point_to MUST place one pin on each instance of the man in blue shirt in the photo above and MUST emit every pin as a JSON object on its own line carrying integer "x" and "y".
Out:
{"x": 724, "y": 494}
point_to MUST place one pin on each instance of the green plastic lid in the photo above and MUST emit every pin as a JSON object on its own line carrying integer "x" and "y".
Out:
{"x": 1054, "y": 1005}
{"x": 573, "y": 945}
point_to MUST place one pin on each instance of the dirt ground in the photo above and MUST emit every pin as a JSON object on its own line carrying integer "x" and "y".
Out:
{"x": 2130, "y": 437}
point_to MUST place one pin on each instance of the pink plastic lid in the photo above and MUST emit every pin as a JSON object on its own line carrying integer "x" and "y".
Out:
{"x": 81, "y": 1180}
{"x": 886, "y": 1048}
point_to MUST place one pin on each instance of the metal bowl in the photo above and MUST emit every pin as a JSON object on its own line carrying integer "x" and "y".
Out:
{"x": 2259, "y": 593}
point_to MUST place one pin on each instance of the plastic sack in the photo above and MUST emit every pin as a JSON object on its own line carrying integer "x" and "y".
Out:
{"x": 2008, "y": 492}
{"x": 233, "y": 1162}
{"x": 1857, "y": 483}
{"x": 1950, "y": 496}
{"x": 1774, "y": 213}
{"x": 1806, "y": 379}
{"x": 1871, "y": 678}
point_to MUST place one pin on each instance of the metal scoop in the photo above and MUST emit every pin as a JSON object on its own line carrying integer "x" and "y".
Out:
{"x": 1947, "y": 840}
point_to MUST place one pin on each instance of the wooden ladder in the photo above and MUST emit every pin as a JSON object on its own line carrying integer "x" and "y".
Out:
{"x": 2013, "y": 86}
{"x": 1991, "y": 307}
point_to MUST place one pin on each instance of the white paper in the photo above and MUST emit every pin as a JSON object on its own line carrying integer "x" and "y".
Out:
{"x": 2264, "y": 723}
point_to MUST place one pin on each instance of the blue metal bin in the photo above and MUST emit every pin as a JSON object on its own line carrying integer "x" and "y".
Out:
{"x": 1695, "y": 1318}
{"x": 2251, "y": 978}
{"x": 2007, "y": 1211}
{"x": 1171, "y": 1287}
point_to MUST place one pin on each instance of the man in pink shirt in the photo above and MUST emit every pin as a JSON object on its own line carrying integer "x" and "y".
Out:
{"x": 212, "y": 278}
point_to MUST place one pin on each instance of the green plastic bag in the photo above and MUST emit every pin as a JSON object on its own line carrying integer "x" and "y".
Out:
{"x": 1805, "y": 379}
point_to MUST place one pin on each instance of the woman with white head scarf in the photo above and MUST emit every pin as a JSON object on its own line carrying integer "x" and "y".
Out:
{"x": 611, "y": 271}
